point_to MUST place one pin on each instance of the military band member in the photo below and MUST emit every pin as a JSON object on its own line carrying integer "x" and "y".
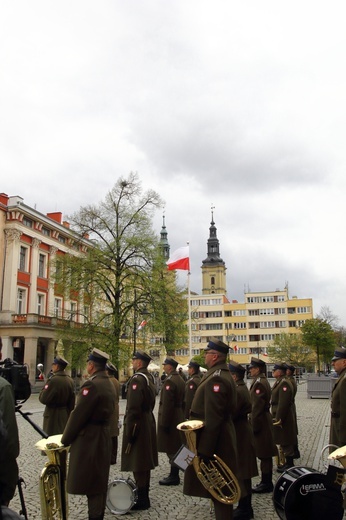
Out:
{"x": 247, "y": 464}
{"x": 139, "y": 447}
{"x": 290, "y": 369}
{"x": 284, "y": 425}
{"x": 338, "y": 403}
{"x": 59, "y": 397}
{"x": 171, "y": 413}
{"x": 88, "y": 433}
{"x": 191, "y": 384}
{"x": 262, "y": 424}
{"x": 214, "y": 404}
{"x": 114, "y": 424}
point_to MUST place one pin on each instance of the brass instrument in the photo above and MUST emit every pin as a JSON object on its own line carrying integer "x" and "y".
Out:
{"x": 215, "y": 476}
{"x": 280, "y": 457}
{"x": 339, "y": 455}
{"x": 54, "y": 504}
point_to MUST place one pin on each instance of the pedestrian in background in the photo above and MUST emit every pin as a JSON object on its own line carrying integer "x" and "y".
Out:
{"x": 170, "y": 413}
{"x": 114, "y": 423}
{"x": 262, "y": 424}
{"x": 247, "y": 464}
{"x": 59, "y": 397}
{"x": 214, "y": 404}
{"x": 284, "y": 426}
{"x": 88, "y": 433}
{"x": 139, "y": 446}
{"x": 193, "y": 369}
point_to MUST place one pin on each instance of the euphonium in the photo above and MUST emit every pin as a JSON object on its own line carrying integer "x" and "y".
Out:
{"x": 215, "y": 476}
{"x": 53, "y": 493}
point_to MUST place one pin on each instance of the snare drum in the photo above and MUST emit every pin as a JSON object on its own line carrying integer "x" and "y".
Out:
{"x": 305, "y": 494}
{"x": 121, "y": 496}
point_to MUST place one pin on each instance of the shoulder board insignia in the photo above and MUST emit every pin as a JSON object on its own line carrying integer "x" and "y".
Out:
{"x": 217, "y": 373}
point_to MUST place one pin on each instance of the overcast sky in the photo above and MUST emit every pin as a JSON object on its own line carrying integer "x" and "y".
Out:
{"x": 240, "y": 105}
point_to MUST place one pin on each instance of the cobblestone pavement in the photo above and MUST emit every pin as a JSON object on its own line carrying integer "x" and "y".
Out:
{"x": 167, "y": 503}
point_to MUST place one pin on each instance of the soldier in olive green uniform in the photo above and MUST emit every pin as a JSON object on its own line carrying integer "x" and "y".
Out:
{"x": 338, "y": 404}
{"x": 284, "y": 426}
{"x": 9, "y": 450}
{"x": 262, "y": 424}
{"x": 59, "y": 397}
{"x": 139, "y": 447}
{"x": 247, "y": 464}
{"x": 88, "y": 433}
{"x": 191, "y": 386}
{"x": 290, "y": 369}
{"x": 114, "y": 424}
{"x": 170, "y": 414}
{"x": 215, "y": 404}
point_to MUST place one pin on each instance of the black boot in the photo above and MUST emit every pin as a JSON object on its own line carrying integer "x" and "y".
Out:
{"x": 289, "y": 464}
{"x": 244, "y": 510}
{"x": 143, "y": 501}
{"x": 172, "y": 479}
{"x": 266, "y": 484}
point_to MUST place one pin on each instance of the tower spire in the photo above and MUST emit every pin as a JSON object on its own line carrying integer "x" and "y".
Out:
{"x": 164, "y": 245}
{"x": 213, "y": 267}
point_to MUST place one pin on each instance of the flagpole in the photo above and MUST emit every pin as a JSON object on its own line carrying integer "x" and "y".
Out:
{"x": 189, "y": 307}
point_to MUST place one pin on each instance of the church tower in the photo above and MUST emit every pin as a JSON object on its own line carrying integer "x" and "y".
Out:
{"x": 213, "y": 267}
{"x": 163, "y": 244}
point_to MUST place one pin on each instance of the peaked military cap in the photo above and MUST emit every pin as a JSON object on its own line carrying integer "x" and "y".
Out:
{"x": 98, "y": 356}
{"x": 140, "y": 354}
{"x": 170, "y": 361}
{"x": 194, "y": 365}
{"x": 280, "y": 366}
{"x": 58, "y": 360}
{"x": 216, "y": 344}
{"x": 257, "y": 363}
{"x": 339, "y": 353}
{"x": 236, "y": 368}
{"x": 290, "y": 367}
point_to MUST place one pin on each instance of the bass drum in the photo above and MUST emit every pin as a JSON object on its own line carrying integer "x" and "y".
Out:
{"x": 305, "y": 494}
{"x": 121, "y": 496}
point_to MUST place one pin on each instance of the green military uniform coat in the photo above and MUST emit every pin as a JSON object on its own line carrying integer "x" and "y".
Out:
{"x": 214, "y": 404}
{"x": 169, "y": 439}
{"x": 338, "y": 418}
{"x": 88, "y": 432}
{"x": 9, "y": 450}
{"x": 247, "y": 464}
{"x": 261, "y": 419}
{"x": 190, "y": 390}
{"x": 139, "y": 424}
{"x": 59, "y": 397}
{"x": 282, "y": 410}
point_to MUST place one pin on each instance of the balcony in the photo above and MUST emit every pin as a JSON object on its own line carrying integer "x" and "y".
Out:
{"x": 47, "y": 321}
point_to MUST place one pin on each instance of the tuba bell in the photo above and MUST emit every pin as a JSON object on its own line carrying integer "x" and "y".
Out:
{"x": 53, "y": 495}
{"x": 215, "y": 476}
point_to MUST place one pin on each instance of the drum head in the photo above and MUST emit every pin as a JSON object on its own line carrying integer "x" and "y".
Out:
{"x": 305, "y": 494}
{"x": 121, "y": 496}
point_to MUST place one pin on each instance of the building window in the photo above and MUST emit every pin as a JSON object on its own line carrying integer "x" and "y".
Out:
{"x": 73, "y": 311}
{"x": 57, "y": 307}
{"x": 40, "y": 304}
{"x": 42, "y": 262}
{"x": 62, "y": 239}
{"x": 46, "y": 231}
{"x": 27, "y": 222}
{"x": 23, "y": 258}
{"x": 21, "y": 296}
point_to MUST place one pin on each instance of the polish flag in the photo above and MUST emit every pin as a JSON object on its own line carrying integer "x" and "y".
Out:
{"x": 142, "y": 325}
{"x": 179, "y": 259}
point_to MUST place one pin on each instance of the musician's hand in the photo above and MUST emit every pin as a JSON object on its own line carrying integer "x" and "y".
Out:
{"x": 204, "y": 458}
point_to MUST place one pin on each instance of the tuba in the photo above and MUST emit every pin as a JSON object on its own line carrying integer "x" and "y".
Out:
{"x": 215, "y": 476}
{"x": 54, "y": 504}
